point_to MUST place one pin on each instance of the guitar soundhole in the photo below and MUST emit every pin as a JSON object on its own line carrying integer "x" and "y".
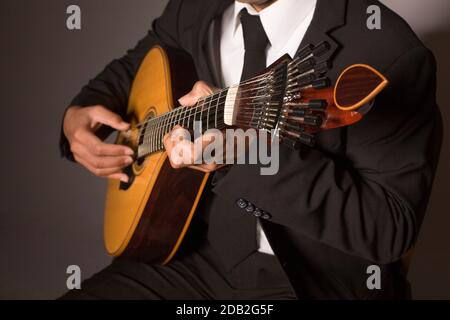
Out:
{"x": 150, "y": 114}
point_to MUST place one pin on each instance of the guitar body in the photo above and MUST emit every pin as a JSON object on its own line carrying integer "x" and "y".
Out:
{"x": 152, "y": 231}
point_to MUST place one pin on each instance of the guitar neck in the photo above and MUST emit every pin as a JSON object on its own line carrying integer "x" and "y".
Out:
{"x": 254, "y": 103}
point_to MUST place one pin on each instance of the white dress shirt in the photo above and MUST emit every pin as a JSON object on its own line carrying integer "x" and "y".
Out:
{"x": 285, "y": 23}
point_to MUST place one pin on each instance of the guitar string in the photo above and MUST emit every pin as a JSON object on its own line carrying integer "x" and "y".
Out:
{"x": 214, "y": 97}
{"x": 176, "y": 119}
{"x": 254, "y": 79}
{"x": 264, "y": 76}
{"x": 176, "y": 114}
{"x": 179, "y": 114}
{"x": 200, "y": 100}
{"x": 199, "y": 108}
{"x": 150, "y": 145}
{"x": 163, "y": 125}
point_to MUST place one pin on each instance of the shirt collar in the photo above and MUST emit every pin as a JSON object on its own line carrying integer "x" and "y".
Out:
{"x": 279, "y": 20}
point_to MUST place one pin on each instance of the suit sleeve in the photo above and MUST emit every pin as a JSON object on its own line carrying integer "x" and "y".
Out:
{"x": 111, "y": 87}
{"x": 370, "y": 204}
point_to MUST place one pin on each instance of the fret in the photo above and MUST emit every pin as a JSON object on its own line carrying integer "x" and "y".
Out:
{"x": 169, "y": 125}
{"x": 195, "y": 112}
{"x": 179, "y": 112}
{"x": 208, "y": 109}
{"x": 159, "y": 131}
{"x": 198, "y": 112}
{"x": 184, "y": 116}
{"x": 165, "y": 129}
{"x": 205, "y": 103}
{"x": 149, "y": 135}
{"x": 201, "y": 112}
{"x": 189, "y": 118}
{"x": 160, "y": 128}
{"x": 207, "y": 115}
{"x": 155, "y": 133}
{"x": 217, "y": 108}
{"x": 146, "y": 138}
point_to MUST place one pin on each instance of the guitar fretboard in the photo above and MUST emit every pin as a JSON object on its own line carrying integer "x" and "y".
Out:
{"x": 209, "y": 111}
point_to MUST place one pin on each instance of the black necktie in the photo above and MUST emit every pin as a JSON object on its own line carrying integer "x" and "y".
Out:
{"x": 255, "y": 43}
{"x": 234, "y": 234}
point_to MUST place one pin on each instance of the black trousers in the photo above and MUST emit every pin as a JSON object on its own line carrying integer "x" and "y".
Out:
{"x": 194, "y": 275}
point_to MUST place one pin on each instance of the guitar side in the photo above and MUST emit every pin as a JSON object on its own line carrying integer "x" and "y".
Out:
{"x": 148, "y": 219}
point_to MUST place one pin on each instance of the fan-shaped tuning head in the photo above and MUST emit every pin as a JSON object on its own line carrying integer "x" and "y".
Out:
{"x": 358, "y": 85}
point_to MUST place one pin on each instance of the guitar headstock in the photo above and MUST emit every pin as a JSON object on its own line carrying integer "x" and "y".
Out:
{"x": 311, "y": 105}
{"x": 294, "y": 98}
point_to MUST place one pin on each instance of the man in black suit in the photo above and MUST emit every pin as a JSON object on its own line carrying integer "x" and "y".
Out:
{"x": 311, "y": 231}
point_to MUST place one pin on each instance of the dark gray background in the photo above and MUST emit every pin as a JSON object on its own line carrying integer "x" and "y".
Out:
{"x": 51, "y": 210}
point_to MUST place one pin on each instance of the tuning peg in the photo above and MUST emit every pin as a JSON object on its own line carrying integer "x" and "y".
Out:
{"x": 310, "y": 65}
{"x": 297, "y": 112}
{"x": 304, "y": 52}
{"x": 322, "y": 67}
{"x": 306, "y": 80}
{"x": 312, "y": 120}
{"x": 321, "y": 83}
{"x": 290, "y": 143}
{"x": 317, "y": 105}
{"x": 307, "y": 139}
{"x": 301, "y": 116}
{"x": 293, "y": 128}
{"x": 321, "y": 49}
{"x": 306, "y": 65}
{"x": 317, "y": 84}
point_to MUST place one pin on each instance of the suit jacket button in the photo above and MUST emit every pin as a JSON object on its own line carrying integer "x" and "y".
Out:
{"x": 258, "y": 213}
{"x": 250, "y": 208}
{"x": 266, "y": 216}
{"x": 241, "y": 203}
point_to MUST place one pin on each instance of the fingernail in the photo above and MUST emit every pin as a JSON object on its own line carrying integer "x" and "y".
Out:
{"x": 129, "y": 152}
{"x": 124, "y": 179}
{"x": 128, "y": 161}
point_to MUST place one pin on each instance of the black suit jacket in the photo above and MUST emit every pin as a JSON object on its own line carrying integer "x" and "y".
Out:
{"x": 358, "y": 198}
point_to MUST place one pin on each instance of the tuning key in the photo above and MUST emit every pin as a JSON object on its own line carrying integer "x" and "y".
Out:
{"x": 317, "y": 104}
{"x": 297, "y": 112}
{"x": 313, "y": 120}
{"x": 291, "y": 143}
{"x": 307, "y": 139}
{"x": 306, "y": 65}
{"x": 294, "y": 128}
{"x": 322, "y": 67}
{"x": 321, "y": 83}
{"x": 307, "y": 79}
{"x": 305, "y": 52}
{"x": 321, "y": 49}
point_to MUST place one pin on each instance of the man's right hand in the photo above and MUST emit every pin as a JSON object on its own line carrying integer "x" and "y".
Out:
{"x": 102, "y": 159}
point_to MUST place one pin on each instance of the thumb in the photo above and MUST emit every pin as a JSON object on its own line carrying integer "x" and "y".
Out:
{"x": 188, "y": 100}
{"x": 104, "y": 116}
{"x": 200, "y": 89}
